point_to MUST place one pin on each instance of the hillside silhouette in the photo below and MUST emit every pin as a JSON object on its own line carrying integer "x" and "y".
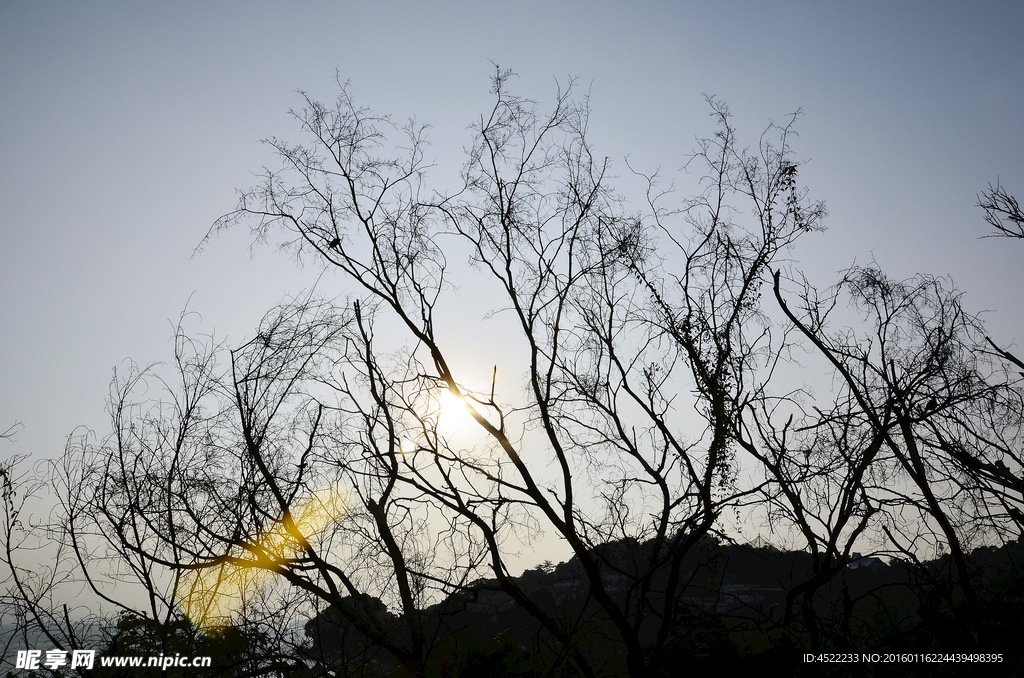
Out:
{"x": 740, "y": 607}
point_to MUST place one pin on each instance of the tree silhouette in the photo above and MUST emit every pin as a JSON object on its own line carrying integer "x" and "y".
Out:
{"x": 1002, "y": 212}
{"x": 610, "y": 334}
{"x": 924, "y": 431}
{"x": 306, "y": 490}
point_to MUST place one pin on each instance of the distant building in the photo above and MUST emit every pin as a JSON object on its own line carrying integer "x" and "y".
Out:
{"x": 869, "y": 563}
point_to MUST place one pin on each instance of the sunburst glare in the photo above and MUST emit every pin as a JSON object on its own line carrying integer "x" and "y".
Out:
{"x": 214, "y": 596}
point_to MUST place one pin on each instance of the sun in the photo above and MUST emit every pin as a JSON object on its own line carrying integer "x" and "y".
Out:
{"x": 454, "y": 411}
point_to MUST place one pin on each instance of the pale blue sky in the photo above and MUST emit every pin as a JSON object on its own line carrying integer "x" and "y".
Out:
{"x": 125, "y": 128}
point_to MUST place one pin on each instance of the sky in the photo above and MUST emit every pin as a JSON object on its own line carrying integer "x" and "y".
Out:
{"x": 126, "y": 128}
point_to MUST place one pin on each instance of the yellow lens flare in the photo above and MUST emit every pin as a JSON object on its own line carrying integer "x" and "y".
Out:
{"x": 213, "y": 597}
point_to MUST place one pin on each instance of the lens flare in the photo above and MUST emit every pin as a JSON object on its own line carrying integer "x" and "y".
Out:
{"x": 213, "y": 597}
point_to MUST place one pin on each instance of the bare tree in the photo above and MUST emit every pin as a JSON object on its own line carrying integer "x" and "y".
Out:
{"x": 1002, "y": 212}
{"x": 101, "y": 569}
{"x": 37, "y": 568}
{"x": 936, "y": 423}
{"x": 613, "y": 341}
{"x": 8, "y": 613}
{"x": 308, "y": 474}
